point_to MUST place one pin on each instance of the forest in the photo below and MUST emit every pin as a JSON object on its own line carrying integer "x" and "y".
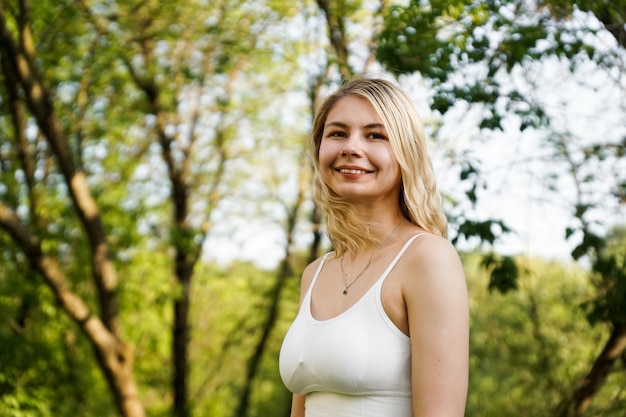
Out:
{"x": 156, "y": 208}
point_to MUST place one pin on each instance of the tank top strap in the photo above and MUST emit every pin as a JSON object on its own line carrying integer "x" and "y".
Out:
{"x": 317, "y": 274}
{"x": 397, "y": 258}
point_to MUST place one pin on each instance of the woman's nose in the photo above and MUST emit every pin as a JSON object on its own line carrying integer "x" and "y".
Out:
{"x": 352, "y": 146}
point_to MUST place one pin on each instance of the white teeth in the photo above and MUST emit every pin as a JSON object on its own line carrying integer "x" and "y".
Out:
{"x": 351, "y": 171}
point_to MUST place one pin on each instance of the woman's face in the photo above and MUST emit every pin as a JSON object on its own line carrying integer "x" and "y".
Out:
{"x": 355, "y": 156}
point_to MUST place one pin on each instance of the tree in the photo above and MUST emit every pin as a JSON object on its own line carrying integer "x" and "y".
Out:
{"x": 137, "y": 118}
{"x": 522, "y": 341}
{"x": 23, "y": 78}
{"x": 478, "y": 52}
{"x": 134, "y": 133}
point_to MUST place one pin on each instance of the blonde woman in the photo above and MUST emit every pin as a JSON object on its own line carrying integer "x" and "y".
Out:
{"x": 383, "y": 324}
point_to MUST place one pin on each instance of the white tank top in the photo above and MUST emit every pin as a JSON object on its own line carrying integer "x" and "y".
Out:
{"x": 356, "y": 364}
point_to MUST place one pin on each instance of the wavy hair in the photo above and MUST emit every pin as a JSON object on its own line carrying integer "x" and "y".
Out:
{"x": 420, "y": 202}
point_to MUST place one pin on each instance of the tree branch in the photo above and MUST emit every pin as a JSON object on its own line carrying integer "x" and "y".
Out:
{"x": 337, "y": 37}
{"x": 40, "y": 104}
{"x": 114, "y": 356}
{"x": 589, "y": 385}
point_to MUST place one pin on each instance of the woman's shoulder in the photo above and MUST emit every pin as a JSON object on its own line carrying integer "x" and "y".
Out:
{"x": 432, "y": 276}
{"x": 426, "y": 246}
{"x": 430, "y": 255}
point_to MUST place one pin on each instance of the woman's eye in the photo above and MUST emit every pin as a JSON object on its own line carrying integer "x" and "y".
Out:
{"x": 336, "y": 134}
{"x": 377, "y": 136}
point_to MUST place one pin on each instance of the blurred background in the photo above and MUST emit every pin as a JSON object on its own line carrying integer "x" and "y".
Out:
{"x": 155, "y": 194}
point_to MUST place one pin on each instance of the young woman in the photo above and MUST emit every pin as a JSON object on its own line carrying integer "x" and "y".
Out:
{"x": 383, "y": 325}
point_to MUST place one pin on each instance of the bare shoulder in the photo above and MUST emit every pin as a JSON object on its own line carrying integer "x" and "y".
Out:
{"x": 431, "y": 263}
{"x": 431, "y": 247}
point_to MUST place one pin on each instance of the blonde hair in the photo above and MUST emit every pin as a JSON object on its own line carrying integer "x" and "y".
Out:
{"x": 419, "y": 202}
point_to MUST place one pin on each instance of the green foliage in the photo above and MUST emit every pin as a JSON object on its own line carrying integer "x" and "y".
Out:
{"x": 233, "y": 63}
{"x": 528, "y": 346}
{"x": 212, "y": 66}
{"x": 230, "y": 305}
{"x": 610, "y": 12}
{"x": 503, "y": 272}
{"x": 465, "y": 47}
{"x": 608, "y": 304}
{"x": 485, "y": 230}
{"x": 147, "y": 291}
{"x": 16, "y": 402}
{"x": 46, "y": 368}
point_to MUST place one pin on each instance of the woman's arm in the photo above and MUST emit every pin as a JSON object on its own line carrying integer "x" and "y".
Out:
{"x": 297, "y": 405}
{"x": 436, "y": 298}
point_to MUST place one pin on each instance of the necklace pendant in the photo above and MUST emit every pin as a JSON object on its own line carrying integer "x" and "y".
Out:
{"x": 345, "y": 291}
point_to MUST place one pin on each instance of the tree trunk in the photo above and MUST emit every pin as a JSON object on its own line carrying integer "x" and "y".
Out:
{"x": 316, "y": 214}
{"x": 316, "y": 243}
{"x": 337, "y": 37}
{"x": 114, "y": 356}
{"x": 180, "y": 349}
{"x": 274, "y": 295}
{"x": 20, "y": 60}
{"x": 589, "y": 386}
{"x": 255, "y": 360}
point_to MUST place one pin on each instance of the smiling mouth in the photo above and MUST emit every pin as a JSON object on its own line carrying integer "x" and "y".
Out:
{"x": 352, "y": 171}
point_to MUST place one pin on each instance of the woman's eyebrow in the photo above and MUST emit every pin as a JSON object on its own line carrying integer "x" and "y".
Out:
{"x": 337, "y": 124}
{"x": 374, "y": 126}
{"x": 367, "y": 126}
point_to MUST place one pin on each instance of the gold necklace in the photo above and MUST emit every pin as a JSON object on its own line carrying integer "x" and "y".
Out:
{"x": 344, "y": 276}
